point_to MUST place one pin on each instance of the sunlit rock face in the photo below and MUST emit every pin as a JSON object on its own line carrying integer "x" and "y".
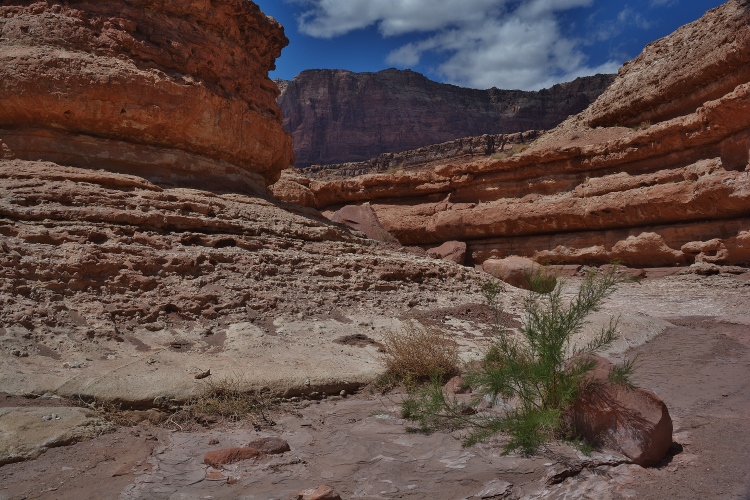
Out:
{"x": 654, "y": 173}
{"x": 176, "y": 91}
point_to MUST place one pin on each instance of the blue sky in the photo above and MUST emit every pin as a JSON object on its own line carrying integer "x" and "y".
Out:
{"x": 509, "y": 44}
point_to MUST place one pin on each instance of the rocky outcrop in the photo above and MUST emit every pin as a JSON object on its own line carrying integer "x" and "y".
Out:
{"x": 173, "y": 91}
{"x": 339, "y": 116}
{"x": 629, "y": 420}
{"x": 465, "y": 149}
{"x": 668, "y": 193}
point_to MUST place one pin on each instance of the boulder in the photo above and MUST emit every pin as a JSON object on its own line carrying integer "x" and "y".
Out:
{"x": 629, "y": 420}
{"x": 513, "y": 270}
{"x": 363, "y": 218}
{"x": 322, "y": 492}
{"x": 454, "y": 251}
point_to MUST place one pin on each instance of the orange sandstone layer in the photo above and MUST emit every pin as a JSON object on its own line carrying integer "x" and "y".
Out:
{"x": 674, "y": 192}
{"x": 175, "y": 91}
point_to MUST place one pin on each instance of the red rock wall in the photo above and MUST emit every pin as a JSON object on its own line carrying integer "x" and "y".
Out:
{"x": 339, "y": 116}
{"x": 186, "y": 76}
{"x": 674, "y": 192}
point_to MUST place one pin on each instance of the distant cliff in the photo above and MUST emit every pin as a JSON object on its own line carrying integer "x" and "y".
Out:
{"x": 338, "y": 116}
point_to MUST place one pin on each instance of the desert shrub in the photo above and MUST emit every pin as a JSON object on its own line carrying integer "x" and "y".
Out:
{"x": 417, "y": 353}
{"x": 642, "y": 126}
{"x": 540, "y": 280}
{"x": 223, "y": 400}
{"x": 540, "y": 373}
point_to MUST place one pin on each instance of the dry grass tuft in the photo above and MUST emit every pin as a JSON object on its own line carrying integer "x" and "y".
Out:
{"x": 418, "y": 352}
{"x": 223, "y": 400}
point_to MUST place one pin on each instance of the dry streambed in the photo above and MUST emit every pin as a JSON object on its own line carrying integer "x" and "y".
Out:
{"x": 698, "y": 363}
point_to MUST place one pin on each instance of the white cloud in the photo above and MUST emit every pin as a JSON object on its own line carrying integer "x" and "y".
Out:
{"x": 481, "y": 43}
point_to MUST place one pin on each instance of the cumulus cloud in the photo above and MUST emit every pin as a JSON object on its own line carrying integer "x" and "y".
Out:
{"x": 481, "y": 43}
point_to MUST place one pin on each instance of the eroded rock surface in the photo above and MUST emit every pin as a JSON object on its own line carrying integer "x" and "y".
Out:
{"x": 593, "y": 190}
{"x": 116, "y": 288}
{"x": 338, "y": 116}
{"x": 174, "y": 91}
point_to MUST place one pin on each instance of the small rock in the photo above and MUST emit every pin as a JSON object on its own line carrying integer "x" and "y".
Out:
{"x": 73, "y": 364}
{"x": 342, "y": 394}
{"x": 323, "y": 492}
{"x": 270, "y": 445}
{"x": 454, "y": 251}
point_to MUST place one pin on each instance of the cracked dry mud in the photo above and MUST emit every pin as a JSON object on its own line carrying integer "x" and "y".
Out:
{"x": 698, "y": 363}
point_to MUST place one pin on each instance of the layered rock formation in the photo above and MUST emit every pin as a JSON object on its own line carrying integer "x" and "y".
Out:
{"x": 339, "y": 116}
{"x": 121, "y": 281}
{"x": 674, "y": 191}
{"x": 174, "y": 91}
{"x": 465, "y": 149}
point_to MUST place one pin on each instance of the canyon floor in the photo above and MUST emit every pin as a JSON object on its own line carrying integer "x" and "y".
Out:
{"x": 695, "y": 354}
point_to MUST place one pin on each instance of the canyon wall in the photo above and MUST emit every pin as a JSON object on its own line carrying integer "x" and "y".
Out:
{"x": 464, "y": 149}
{"x": 173, "y": 90}
{"x": 338, "y": 116}
{"x": 654, "y": 173}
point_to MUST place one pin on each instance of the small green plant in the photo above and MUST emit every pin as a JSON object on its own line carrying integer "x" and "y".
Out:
{"x": 621, "y": 375}
{"x": 417, "y": 353}
{"x": 539, "y": 374}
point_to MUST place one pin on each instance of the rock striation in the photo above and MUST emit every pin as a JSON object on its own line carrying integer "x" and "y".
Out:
{"x": 338, "y": 116}
{"x": 465, "y": 149}
{"x": 174, "y": 91}
{"x": 670, "y": 192}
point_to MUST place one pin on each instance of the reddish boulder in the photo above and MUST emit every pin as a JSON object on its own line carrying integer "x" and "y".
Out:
{"x": 629, "y": 420}
{"x": 323, "y": 492}
{"x": 269, "y": 445}
{"x": 454, "y": 251}
{"x": 231, "y": 455}
{"x": 363, "y": 218}
{"x": 513, "y": 270}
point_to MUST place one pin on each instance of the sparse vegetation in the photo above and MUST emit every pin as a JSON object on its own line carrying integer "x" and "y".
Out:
{"x": 535, "y": 377}
{"x": 220, "y": 400}
{"x": 642, "y": 126}
{"x": 223, "y": 400}
{"x": 418, "y": 353}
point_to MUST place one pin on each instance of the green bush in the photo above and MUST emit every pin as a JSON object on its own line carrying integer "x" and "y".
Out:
{"x": 539, "y": 374}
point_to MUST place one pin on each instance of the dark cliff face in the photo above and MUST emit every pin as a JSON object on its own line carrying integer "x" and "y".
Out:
{"x": 338, "y": 116}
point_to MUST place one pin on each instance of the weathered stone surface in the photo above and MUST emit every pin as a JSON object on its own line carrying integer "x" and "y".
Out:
{"x": 322, "y": 492}
{"x": 514, "y": 270}
{"x": 631, "y": 421}
{"x": 460, "y": 150}
{"x": 231, "y": 455}
{"x": 157, "y": 285}
{"x": 174, "y": 91}
{"x": 269, "y": 445}
{"x": 363, "y": 218}
{"x": 26, "y": 433}
{"x": 672, "y": 193}
{"x": 338, "y": 116}
{"x": 454, "y": 251}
